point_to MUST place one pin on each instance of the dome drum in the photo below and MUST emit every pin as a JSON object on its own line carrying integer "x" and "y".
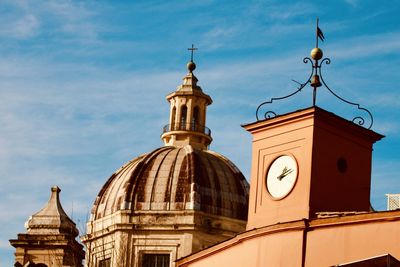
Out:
{"x": 165, "y": 221}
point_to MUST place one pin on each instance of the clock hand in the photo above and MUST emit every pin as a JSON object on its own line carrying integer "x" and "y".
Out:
{"x": 284, "y": 173}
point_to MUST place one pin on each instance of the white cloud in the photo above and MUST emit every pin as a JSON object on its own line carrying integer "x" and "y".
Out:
{"x": 385, "y": 99}
{"x": 27, "y": 19}
{"x": 353, "y": 3}
{"x": 26, "y": 27}
{"x": 22, "y": 27}
{"x": 73, "y": 18}
{"x": 366, "y": 46}
{"x": 388, "y": 128}
{"x": 285, "y": 12}
{"x": 218, "y": 37}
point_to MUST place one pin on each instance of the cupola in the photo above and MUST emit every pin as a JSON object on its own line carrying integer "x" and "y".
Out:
{"x": 187, "y": 118}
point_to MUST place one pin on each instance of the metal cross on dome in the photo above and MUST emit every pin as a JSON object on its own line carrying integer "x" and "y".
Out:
{"x": 192, "y": 49}
{"x": 316, "y": 80}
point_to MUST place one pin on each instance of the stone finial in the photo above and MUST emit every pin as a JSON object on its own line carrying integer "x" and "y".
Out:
{"x": 191, "y": 66}
{"x": 55, "y": 189}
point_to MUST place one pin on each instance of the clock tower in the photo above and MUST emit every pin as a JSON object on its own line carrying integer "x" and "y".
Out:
{"x": 309, "y": 162}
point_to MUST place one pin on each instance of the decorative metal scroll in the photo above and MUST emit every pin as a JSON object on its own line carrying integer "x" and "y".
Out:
{"x": 270, "y": 114}
{"x": 316, "y": 80}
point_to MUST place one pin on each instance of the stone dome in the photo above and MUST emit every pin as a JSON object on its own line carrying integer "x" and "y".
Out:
{"x": 175, "y": 178}
{"x": 175, "y": 200}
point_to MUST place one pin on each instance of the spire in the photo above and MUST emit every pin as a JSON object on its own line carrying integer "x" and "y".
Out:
{"x": 188, "y": 113}
{"x": 51, "y": 218}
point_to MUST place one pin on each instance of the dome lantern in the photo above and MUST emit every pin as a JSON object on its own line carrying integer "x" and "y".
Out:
{"x": 187, "y": 122}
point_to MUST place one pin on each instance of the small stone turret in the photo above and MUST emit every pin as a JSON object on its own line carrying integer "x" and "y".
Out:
{"x": 50, "y": 238}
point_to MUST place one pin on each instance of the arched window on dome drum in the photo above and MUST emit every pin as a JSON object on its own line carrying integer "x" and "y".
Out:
{"x": 173, "y": 114}
{"x": 183, "y": 117}
{"x": 195, "y": 119}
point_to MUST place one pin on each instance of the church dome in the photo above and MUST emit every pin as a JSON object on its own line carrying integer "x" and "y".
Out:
{"x": 174, "y": 200}
{"x": 182, "y": 175}
{"x": 176, "y": 178}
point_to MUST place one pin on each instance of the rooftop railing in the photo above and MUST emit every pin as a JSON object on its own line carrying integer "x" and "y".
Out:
{"x": 193, "y": 127}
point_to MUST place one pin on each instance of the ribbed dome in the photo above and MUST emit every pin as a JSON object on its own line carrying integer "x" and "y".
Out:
{"x": 176, "y": 178}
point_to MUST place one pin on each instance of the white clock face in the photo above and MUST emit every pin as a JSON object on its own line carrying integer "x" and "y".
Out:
{"x": 281, "y": 176}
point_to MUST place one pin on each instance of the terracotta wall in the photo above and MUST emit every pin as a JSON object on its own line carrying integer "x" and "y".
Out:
{"x": 281, "y": 249}
{"x": 354, "y": 242}
{"x": 328, "y": 242}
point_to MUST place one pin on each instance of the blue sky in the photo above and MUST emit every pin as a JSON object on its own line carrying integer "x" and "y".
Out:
{"x": 83, "y": 85}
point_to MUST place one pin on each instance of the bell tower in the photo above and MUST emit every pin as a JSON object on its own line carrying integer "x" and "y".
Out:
{"x": 311, "y": 162}
{"x": 187, "y": 118}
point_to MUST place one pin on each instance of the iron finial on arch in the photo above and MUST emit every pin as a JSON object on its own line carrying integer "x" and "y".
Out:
{"x": 316, "y": 80}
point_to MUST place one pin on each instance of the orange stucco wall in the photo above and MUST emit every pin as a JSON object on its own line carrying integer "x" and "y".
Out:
{"x": 285, "y": 252}
{"x": 331, "y": 189}
{"x": 347, "y": 243}
{"x": 282, "y": 137}
{"x": 327, "y": 242}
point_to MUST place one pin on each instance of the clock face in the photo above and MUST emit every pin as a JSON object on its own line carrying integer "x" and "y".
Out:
{"x": 281, "y": 176}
